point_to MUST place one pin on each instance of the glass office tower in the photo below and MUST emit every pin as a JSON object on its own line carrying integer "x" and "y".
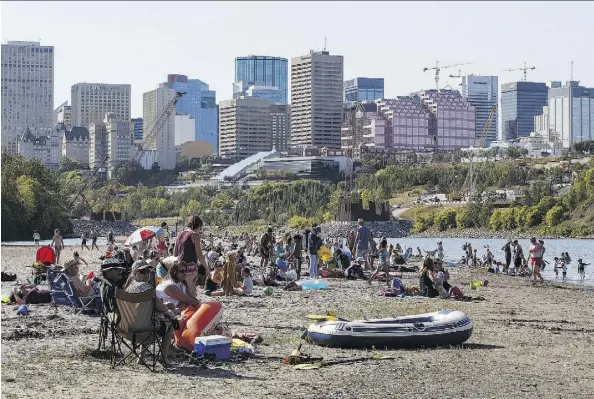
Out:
{"x": 363, "y": 89}
{"x": 263, "y": 71}
{"x": 520, "y": 103}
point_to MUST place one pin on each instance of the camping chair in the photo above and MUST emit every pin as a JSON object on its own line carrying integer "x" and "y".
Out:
{"x": 56, "y": 280}
{"x": 133, "y": 325}
{"x": 87, "y": 304}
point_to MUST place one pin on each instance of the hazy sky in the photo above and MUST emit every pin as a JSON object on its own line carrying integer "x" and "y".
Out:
{"x": 141, "y": 42}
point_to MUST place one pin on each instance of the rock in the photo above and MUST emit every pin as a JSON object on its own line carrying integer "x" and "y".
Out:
{"x": 392, "y": 229}
{"x": 101, "y": 228}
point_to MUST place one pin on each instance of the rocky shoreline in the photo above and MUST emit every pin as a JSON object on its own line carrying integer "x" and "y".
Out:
{"x": 101, "y": 228}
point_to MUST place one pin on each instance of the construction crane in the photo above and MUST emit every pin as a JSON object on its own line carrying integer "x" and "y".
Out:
{"x": 438, "y": 68}
{"x": 80, "y": 194}
{"x": 524, "y": 69}
{"x": 159, "y": 122}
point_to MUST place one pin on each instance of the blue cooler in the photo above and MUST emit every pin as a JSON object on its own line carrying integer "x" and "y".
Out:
{"x": 218, "y": 345}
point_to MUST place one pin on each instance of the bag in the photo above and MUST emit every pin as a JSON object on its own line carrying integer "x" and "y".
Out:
{"x": 456, "y": 292}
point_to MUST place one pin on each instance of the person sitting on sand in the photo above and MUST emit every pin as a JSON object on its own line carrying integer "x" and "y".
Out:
{"x": 355, "y": 270}
{"x": 29, "y": 294}
{"x": 427, "y": 279}
{"x": 178, "y": 290}
{"x": 58, "y": 244}
{"x": 384, "y": 263}
{"x": 438, "y": 265}
{"x": 248, "y": 283}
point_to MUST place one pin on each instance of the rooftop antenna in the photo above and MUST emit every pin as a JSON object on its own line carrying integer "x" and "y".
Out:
{"x": 571, "y": 74}
{"x": 325, "y": 42}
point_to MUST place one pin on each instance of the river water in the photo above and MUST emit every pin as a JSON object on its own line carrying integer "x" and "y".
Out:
{"x": 452, "y": 248}
{"x": 453, "y": 251}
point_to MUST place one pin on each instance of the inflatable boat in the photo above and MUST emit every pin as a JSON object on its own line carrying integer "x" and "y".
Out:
{"x": 447, "y": 327}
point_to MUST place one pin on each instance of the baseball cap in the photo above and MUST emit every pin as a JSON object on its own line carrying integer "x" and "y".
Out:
{"x": 360, "y": 259}
{"x": 212, "y": 256}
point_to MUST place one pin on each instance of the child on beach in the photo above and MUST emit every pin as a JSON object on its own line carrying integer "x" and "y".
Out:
{"x": 556, "y": 266}
{"x": 564, "y": 268}
{"x": 248, "y": 283}
{"x": 582, "y": 268}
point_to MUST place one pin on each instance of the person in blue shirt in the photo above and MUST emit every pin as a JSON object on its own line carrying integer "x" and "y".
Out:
{"x": 383, "y": 264}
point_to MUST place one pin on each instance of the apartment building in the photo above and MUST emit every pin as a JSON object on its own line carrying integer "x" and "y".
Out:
{"x": 317, "y": 100}
{"x": 91, "y": 101}
{"x": 245, "y": 127}
{"x": 27, "y": 95}
{"x": 97, "y": 144}
{"x": 63, "y": 115}
{"x": 281, "y": 126}
{"x": 119, "y": 142}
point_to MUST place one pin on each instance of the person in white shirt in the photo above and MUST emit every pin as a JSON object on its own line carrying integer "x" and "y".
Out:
{"x": 36, "y": 238}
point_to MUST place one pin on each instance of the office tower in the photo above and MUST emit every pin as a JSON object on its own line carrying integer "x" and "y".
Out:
{"x": 153, "y": 105}
{"x": 97, "y": 144}
{"x": 363, "y": 89}
{"x": 482, "y": 93}
{"x": 266, "y": 76}
{"x": 91, "y": 101}
{"x": 63, "y": 114}
{"x": 245, "y": 127}
{"x": 199, "y": 103}
{"x": 27, "y": 98}
{"x": 119, "y": 142}
{"x": 138, "y": 132}
{"x": 281, "y": 126}
{"x": 520, "y": 103}
{"x": 571, "y": 113}
{"x": 75, "y": 144}
{"x": 316, "y": 100}
{"x": 358, "y": 115}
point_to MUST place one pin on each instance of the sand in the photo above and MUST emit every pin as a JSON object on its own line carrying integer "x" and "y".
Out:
{"x": 528, "y": 342}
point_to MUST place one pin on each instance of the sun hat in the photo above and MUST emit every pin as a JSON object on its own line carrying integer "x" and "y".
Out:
{"x": 139, "y": 264}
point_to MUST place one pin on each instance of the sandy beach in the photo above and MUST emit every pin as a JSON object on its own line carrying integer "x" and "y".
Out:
{"x": 528, "y": 342}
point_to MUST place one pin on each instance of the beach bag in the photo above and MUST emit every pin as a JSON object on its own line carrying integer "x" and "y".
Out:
{"x": 456, "y": 292}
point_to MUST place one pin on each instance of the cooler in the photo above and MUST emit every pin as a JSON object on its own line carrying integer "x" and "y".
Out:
{"x": 217, "y": 345}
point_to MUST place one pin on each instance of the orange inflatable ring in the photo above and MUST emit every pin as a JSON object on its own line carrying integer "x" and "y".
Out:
{"x": 197, "y": 323}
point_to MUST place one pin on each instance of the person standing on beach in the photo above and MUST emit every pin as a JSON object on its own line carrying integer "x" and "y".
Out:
{"x": 58, "y": 244}
{"x": 351, "y": 240}
{"x": 518, "y": 254}
{"x": 536, "y": 252}
{"x": 314, "y": 244}
{"x": 36, "y": 238}
{"x": 266, "y": 243}
{"x": 83, "y": 241}
{"x": 362, "y": 242}
{"x": 296, "y": 254}
{"x": 507, "y": 250}
{"x": 94, "y": 240}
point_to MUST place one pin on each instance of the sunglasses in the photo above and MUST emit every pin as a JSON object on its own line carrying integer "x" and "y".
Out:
{"x": 143, "y": 271}
{"x": 182, "y": 271}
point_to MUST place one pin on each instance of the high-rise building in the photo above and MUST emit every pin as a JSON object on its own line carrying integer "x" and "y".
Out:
{"x": 281, "y": 126}
{"x": 199, "y": 103}
{"x": 571, "y": 113}
{"x": 63, "y": 114}
{"x": 316, "y": 100}
{"x": 520, "y": 103}
{"x": 153, "y": 105}
{"x": 245, "y": 127}
{"x": 44, "y": 147}
{"x": 363, "y": 89}
{"x": 97, "y": 144}
{"x": 357, "y": 117}
{"x": 269, "y": 76}
{"x": 138, "y": 129}
{"x": 185, "y": 128}
{"x": 27, "y": 76}
{"x": 91, "y": 101}
{"x": 119, "y": 143}
{"x": 482, "y": 93}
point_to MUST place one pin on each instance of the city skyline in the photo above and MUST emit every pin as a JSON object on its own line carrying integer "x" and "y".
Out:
{"x": 173, "y": 48}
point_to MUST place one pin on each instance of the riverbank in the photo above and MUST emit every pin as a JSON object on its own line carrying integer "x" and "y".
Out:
{"x": 522, "y": 346}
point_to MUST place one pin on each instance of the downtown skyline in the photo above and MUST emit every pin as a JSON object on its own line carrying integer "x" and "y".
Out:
{"x": 174, "y": 48}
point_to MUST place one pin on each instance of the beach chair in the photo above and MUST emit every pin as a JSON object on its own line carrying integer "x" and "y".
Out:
{"x": 132, "y": 328}
{"x": 87, "y": 304}
{"x": 45, "y": 257}
{"x": 57, "y": 280}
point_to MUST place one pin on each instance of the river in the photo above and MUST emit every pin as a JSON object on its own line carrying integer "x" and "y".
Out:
{"x": 452, "y": 248}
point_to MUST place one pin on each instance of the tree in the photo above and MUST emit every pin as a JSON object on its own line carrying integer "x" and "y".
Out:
{"x": 129, "y": 173}
{"x": 67, "y": 164}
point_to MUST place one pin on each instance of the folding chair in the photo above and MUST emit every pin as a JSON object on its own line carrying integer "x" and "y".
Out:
{"x": 80, "y": 304}
{"x": 133, "y": 327}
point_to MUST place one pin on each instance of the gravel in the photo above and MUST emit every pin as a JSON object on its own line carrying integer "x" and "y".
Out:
{"x": 101, "y": 228}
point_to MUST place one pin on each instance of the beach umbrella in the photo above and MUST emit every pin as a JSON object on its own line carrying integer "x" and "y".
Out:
{"x": 143, "y": 234}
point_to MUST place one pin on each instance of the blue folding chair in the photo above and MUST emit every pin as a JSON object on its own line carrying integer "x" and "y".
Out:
{"x": 80, "y": 304}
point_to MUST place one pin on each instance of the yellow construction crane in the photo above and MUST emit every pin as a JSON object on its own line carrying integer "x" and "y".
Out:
{"x": 524, "y": 69}
{"x": 438, "y": 68}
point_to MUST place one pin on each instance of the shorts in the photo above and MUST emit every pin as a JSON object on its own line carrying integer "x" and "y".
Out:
{"x": 535, "y": 262}
{"x": 362, "y": 253}
{"x": 161, "y": 246}
{"x": 84, "y": 242}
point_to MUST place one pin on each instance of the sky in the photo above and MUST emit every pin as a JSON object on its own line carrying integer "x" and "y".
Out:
{"x": 139, "y": 43}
